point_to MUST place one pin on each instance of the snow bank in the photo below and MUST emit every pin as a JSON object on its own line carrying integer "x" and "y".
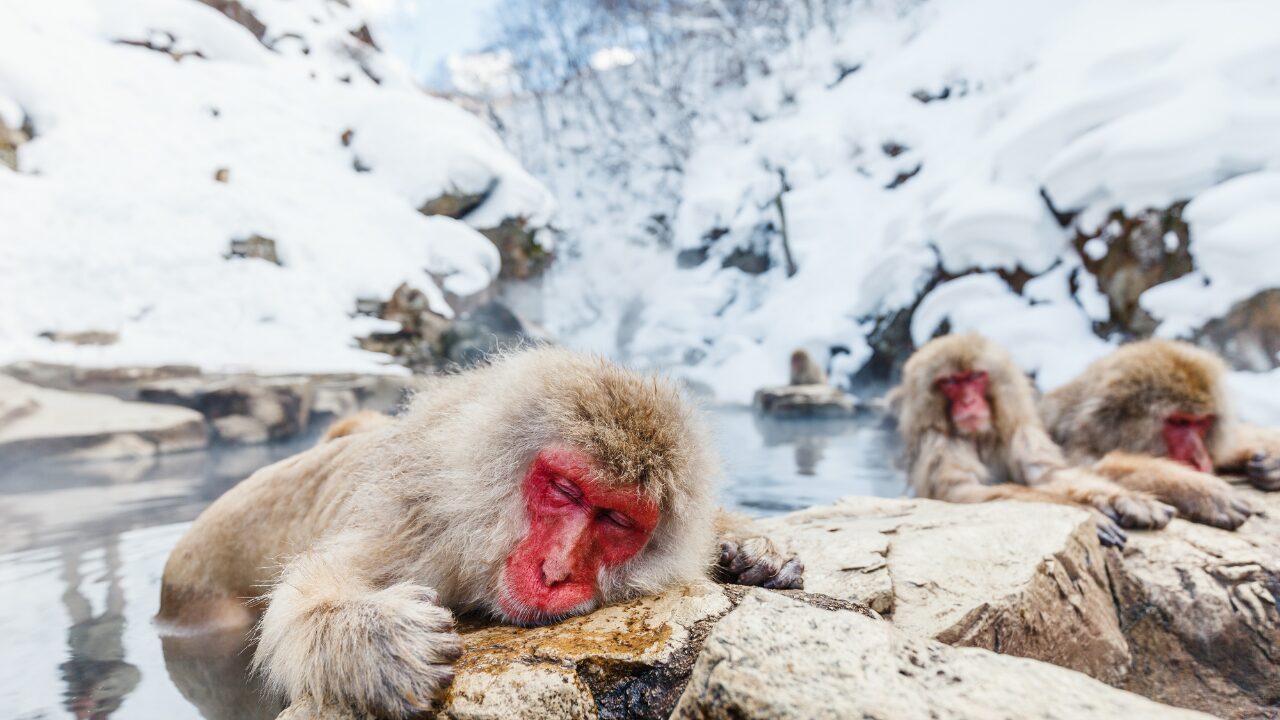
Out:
{"x": 928, "y": 161}
{"x": 116, "y": 221}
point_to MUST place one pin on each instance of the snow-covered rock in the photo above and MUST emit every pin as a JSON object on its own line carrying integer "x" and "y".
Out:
{"x": 165, "y": 131}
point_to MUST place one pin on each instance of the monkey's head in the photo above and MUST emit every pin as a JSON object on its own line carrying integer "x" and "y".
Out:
{"x": 799, "y": 361}
{"x": 575, "y": 483}
{"x": 1160, "y": 397}
{"x": 961, "y": 385}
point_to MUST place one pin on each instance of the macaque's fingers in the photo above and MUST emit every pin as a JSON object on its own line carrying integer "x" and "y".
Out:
{"x": 1263, "y": 472}
{"x": 1109, "y": 533}
{"x": 755, "y": 561}
{"x": 1218, "y": 507}
{"x": 1140, "y": 512}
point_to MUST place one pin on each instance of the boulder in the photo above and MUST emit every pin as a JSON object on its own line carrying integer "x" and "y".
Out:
{"x": 1025, "y": 579}
{"x": 1248, "y": 335}
{"x": 775, "y": 657}
{"x": 40, "y": 422}
{"x": 245, "y": 409}
{"x": 820, "y": 400}
{"x": 1199, "y": 608}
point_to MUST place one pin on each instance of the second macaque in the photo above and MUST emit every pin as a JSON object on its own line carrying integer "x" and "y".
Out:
{"x": 805, "y": 370}
{"x": 971, "y": 432}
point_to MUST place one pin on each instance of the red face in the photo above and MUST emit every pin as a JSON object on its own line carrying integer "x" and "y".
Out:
{"x": 966, "y": 394}
{"x": 577, "y": 526}
{"x": 1184, "y": 436}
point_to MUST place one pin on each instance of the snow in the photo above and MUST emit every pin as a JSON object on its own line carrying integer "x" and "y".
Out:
{"x": 1097, "y": 105}
{"x": 116, "y": 223}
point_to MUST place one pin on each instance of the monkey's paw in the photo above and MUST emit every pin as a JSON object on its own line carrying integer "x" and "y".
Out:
{"x": 1216, "y": 504}
{"x": 1263, "y": 472}
{"x": 1136, "y": 511}
{"x": 387, "y": 654}
{"x": 755, "y": 561}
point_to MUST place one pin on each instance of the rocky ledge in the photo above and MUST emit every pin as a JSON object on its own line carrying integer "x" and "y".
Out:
{"x": 918, "y": 609}
{"x": 816, "y": 401}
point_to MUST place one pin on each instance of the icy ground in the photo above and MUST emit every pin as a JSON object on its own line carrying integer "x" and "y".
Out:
{"x": 114, "y": 221}
{"x": 1100, "y": 105}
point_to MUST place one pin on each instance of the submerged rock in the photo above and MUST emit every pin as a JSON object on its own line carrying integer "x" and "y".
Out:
{"x": 823, "y": 401}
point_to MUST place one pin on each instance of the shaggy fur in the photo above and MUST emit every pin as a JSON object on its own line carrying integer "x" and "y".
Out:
{"x": 361, "y": 547}
{"x": 1016, "y": 459}
{"x": 805, "y": 370}
{"x": 1119, "y": 404}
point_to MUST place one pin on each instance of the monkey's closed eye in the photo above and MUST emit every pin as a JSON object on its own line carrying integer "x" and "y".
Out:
{"x": 616, "y": 518}
{"x": 566, "y": 489}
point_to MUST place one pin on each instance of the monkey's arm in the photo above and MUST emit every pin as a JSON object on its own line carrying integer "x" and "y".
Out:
{"x": 1199, "y": 497}
{"x": 747, "y": 557}
{"x": 1254, "y": 452}
{"x": 1036, "y": 460}
{"x": 951, "y": 470}
{"x": 332, "y": 634}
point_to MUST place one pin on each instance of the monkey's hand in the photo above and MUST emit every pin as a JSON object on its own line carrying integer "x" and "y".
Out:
{"x": 1132, "y": 509}
{"x": 756, "y": 561}
{"x": 1263, "y": 471}
{"x": 386, "y": 653}
{"x": 1211, "y": 501}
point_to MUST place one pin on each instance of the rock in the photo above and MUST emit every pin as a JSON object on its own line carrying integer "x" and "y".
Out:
{"x": 1199, "y": 608}
{"x": 85, "y": 426}
{"x": 1024, "y": 579}
{"x": 419, "y": 343}
{"x": 523, "y": 257}
{"x": 12, "y": 137}
{"x": 255, "y": 246}
{"x": 1248, "y": 336}
{"x": 456, "y": 203}
{"x": 804, "y": 401}
{"x": 84, "y": 337}
{"x": 269, "y": 408}
{"x": 1128, "y": 256}
{"x": 775, "y": 657}
{"x": 483, "y": 331}
{"x": 748, "y": 260}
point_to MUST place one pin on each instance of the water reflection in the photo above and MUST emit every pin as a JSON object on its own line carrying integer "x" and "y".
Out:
{"x": 87, "y": 543}
{"x": 96, "y": 674}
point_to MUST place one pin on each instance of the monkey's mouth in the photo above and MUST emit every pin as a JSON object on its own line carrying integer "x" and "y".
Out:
{"x": 524, "y": 599}
{"x": 512, "y": 610}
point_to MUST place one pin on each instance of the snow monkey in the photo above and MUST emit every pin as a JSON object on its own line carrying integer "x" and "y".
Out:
{"x": 968, "y": 419}
{"x": 805, "y": 370}
{"x": 533, "y": 489}
{"x": 1154, "y": 416}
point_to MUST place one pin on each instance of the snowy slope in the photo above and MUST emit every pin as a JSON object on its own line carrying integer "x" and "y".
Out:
{"x": 1099, "y": 105}
{"x": 114, "y": 221}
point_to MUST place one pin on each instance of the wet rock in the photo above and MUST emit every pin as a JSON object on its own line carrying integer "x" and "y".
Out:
{"x": 244, "y": 409}
{"x": 1024, "y": 579}
{"x": 820, "y": 400}
{"x": 419, "y": 343}
{"x": 82, "y": 426}
{"x": 1128, "y": 256}
{"x": 483, "y": 331}
{"x": 523, "y": 257}
{"x": 775, "y": 657}
{"x": 255, "y": 246}
{"x": 691, "y": 257}
{"x": 1248, "y": 336}
{"x": 1199, "y": 608}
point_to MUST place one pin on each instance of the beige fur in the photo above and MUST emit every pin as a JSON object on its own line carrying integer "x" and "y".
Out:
{"x": 360, "y": 547}
{"x": 805, "y": 370}
{"x": 358, "y": 422}
{"x": 1015, "y": 459}
{"x": 1118, "y": 405}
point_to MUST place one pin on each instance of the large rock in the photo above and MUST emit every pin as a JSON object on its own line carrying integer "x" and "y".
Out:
{"x": 40, "y": 422}
{"x": 774, "y": 657}
{"x": 1024, "y": 579}
{"x": 242, "y": 410}
{"x": 818, "y": 401}
{"x": 1199, "y": 608}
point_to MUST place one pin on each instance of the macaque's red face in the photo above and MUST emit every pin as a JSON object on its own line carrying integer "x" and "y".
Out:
{"x": 577, "y": 527}
{"x": 966, "y": 394}
{"x": 1184, "y": 436}
{"x": 797, "y": 361}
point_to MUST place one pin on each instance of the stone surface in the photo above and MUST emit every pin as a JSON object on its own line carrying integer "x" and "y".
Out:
{"x": 88, "y": 426}
{"x": 774, "y": 657}
{"x": 804, "y": 401}
{"x": 1199, "y": 608}
{"x": 1024, "y": 579}
{"x": 270, "y": 408}
{"x": 1248, "y": 335}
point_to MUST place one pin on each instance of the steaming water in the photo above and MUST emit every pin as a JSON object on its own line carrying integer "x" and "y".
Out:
{"x": 82, "y": 548}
